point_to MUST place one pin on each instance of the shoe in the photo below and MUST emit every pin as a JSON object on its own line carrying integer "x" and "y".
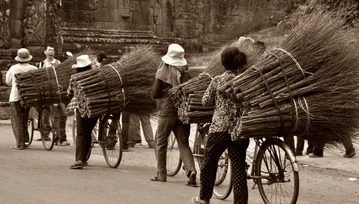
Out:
{"x": 151, "y": 146}
{"x": 197, "y": 200}
{"x": 192, "y": 179}
{"x": 156, "y": 178}
{"x": 349, "y": 155}
{"x": 77, "y": 165}
{"x": 308, "y": 152}
{"x": 64, "y": 143}
{"x": 312, "y": 155}
{"x": 18, "y": 147}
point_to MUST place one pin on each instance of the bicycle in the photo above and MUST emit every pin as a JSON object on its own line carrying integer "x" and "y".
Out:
{"x": 174, "y": 161}
{"x": 109, "y": 137}
{"x": 272, "y": 166}
{"x": 45, "y": 124}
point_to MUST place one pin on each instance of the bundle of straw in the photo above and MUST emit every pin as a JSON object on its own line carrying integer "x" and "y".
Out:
{"x": 123, "y": 85}
{"x": 47, "y": 86}
{"x": 194, "y": 88}
{"x": 308, "y": 86}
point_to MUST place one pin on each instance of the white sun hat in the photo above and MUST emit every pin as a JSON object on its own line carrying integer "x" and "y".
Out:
{"x": 175, "y": 56}
{"x": 82, "y": 61}
{"x": 23, "y": 55}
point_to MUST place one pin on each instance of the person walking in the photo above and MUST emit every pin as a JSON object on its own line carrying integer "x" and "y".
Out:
{"x": 19, "y": 114}
{"x": 171, "y": 72}
{"x": 60, "y": 108}
{"x": 219, "y": 138}
{"x": 135, "y": 130}
{"x": 84, "y": 125}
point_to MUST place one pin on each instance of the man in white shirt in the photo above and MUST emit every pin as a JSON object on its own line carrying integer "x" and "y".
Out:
{"x": 61, "y": 116}
{"x": 19, "y": 114}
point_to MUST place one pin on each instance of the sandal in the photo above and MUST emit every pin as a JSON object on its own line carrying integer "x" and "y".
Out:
{"x": 77, "y": 165}
{"x": 197, "y": 200}
{"x": 156, "y": 178}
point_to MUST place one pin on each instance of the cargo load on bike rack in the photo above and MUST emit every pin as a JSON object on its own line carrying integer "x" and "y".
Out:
{"x": 307, "y": 86}
{"x": 47, "y": 86}
{"x": 122, "y": 85}
{"x": 187, "y": 96}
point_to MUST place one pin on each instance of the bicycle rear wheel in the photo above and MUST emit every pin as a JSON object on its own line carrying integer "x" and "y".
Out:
{"x": 30, "y": 131}
{"x": 46, "y": 120}
{"x": 278, "y": 173}
{"x": 174, "y": 161}
{"x": 110, "y": 139}
{"x": 223, "y": 184}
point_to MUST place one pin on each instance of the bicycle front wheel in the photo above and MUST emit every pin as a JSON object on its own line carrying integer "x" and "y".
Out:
{"x": 110, "y": 139}
{"x": 30, "y": 131}
{"x": 46, "y": 120}
{"x": 174, "y": 161}
{"x": 223, "y": 184}
{"x": 277, "y": 173}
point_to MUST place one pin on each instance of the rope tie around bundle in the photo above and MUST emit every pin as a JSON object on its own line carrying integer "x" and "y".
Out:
{"x": 123, "y": 84}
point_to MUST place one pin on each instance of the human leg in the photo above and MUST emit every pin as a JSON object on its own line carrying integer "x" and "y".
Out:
{"x": 147, "y": 129}
{"x": 349, "y": 148}
{"x": 182, "y": 132}
{"x": 237, "y": 154}
{"x": 16, "y": 123}
{"x": 318, "y": 149}
{"x": 165, "y": 126}
{"x": 61, "y": 131}
{"x": 217, "y": 143}
{"x": 83, "y": 136}
{"x": 125, "y": 129}
{"x": 134, "y": 130}
{"x": 300, "y": 146}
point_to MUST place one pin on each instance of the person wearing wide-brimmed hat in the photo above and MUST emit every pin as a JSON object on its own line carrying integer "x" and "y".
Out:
{"x": 19, "y": 114}
{"x": 84, "y": 125}
{"x": 172, "y": 72}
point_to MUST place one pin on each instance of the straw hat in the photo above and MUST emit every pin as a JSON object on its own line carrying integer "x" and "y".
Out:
{"x": 82, "y": 61}
{"x": 23, "y": 55}
{"x": 175, "y": 56}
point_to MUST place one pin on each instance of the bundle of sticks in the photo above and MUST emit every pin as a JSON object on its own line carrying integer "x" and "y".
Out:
{"x": 48, "y": 86}
{"x": 190, "y": 92}
{"x": 123, "y": 85}
{"x": 308, "y": 86}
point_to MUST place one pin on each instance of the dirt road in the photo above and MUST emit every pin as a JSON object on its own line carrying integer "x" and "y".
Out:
{"x": 39, "y": 176}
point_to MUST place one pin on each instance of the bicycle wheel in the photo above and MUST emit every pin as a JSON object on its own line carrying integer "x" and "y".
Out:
{"x": 46, "y": 120}
{"x": 174, "y": 161}
{"x": 93, "y": 141}
{"x": 110, "y": 139}
{"x": 30, "y": 131}
{"x": 223, "y": 184}
{"x": 277, "y": 170}
{"x": 200, "y": 143}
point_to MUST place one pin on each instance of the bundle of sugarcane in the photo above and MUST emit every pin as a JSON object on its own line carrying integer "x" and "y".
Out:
{"x": 47, "y": 86}
{"x": 308, "y": 86}
{"x": 123, "y": 85}
{"x": 182, "y": 94}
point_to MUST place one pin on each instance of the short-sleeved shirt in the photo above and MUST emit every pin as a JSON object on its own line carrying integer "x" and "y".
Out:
{"x": 10, "y": 79}
{"x": 225, "y": 110}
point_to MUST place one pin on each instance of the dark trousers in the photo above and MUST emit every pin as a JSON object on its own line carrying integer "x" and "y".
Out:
{"x": 300, "y": 146}
{"x": 181, "y": 132}
{"x": 217, "y": 143}
{"x": 19, "y": 116}
{"x": 83, "y": 136}
{"x": 60, "y": 121}
{"x": 125, "y": 128}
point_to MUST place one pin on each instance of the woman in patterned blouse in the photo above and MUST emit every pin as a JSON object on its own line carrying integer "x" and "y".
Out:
{"x": 219, "y": 138}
